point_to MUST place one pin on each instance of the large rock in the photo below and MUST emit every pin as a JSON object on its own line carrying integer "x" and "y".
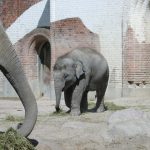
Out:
{"x": 129, "y": 122}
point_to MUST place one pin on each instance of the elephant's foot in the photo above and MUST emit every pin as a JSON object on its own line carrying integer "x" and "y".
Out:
{"x": 84, "y": 108}
{"x": 57, "y": 109}
{"x": 68, "y": 111}
{"x": 101, "y": 109}
{"x": 75, "y": 112}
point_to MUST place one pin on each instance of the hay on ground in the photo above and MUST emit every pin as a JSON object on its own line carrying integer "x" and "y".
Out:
{"x": 11, "y": 140}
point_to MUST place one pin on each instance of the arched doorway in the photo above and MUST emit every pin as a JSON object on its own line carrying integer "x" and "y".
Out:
{"x": 43, "y": 49}
{"x": 44, "y": 64}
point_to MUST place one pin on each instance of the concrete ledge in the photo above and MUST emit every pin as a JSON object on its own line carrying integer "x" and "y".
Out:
{"x": 136, "y": 92}
{"x": 111, "y": 93}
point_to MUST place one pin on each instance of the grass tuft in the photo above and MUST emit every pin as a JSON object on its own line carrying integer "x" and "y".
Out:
{"x": 113, "y": 107}
{"x": 13, "y": 118}
{"x": 60, "y": 113}
{"x": 109, "y": 106}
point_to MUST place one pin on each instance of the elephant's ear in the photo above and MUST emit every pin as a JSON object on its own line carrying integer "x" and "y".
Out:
{"x": 79, "y": 68}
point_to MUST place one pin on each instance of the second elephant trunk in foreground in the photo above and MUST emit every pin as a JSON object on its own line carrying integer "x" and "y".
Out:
{"x": 12, "y": 69}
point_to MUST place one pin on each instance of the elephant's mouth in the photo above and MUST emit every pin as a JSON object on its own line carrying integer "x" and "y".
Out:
{"x": 68, "y": 85}
{"x": 63, "y": 89}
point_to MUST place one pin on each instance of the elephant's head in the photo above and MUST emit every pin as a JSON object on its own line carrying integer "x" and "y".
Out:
{"x": 66, "y": 73}
{"x": 12, "y": 69}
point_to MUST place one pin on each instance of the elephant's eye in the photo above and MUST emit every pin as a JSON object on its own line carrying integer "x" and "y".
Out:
{"x": 65, "y": 76}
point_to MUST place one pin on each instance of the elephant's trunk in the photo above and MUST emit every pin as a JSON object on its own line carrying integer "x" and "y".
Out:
{"x": 58, "y": 97}
{"x": 59, "y": 85}
{"x": 12, "y": 69}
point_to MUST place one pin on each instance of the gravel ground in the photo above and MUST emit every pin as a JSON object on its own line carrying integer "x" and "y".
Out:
{"x": 111, "y": 130}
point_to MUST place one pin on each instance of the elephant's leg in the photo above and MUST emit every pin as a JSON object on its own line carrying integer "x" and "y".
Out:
{"x": 76, "y": 98}
{"x": 67, "y": 99}
{"x": 100, "y": 107}
{"x": 100, "y": 92}
{"x": 68, "y": 96}
{"x": 84, "y": 103}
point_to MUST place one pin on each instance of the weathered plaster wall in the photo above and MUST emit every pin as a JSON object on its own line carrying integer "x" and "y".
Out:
{"x": 122, "y": 33}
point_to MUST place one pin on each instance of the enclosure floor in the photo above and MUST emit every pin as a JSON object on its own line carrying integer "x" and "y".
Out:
{"x": 89, "y": 131}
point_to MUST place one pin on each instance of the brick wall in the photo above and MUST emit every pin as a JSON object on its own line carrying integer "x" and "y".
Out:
{"x": 26, "y": 49}
{"x": 136, "y": 60}
{"x": 69, "y": 34}
{"x": 10, "y": 10}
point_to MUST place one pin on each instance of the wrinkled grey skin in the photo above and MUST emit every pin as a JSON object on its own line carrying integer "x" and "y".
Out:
{"x": 12, "y": 69}
{"x": 78, "y": 72}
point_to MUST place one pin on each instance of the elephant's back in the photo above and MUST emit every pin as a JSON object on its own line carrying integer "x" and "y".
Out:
{"x": 93, "y": 61}
{"x": 85, "y": 54}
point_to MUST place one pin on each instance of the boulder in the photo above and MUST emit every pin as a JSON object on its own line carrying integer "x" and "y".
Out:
{"x": 129, "y": 122}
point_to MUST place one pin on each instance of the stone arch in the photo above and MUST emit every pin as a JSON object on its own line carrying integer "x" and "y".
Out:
{"x": 39, "y": 44}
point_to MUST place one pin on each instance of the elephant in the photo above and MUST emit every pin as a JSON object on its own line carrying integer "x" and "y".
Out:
{"x": 78, "y": 72}
{"x": 11, "y": 67}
